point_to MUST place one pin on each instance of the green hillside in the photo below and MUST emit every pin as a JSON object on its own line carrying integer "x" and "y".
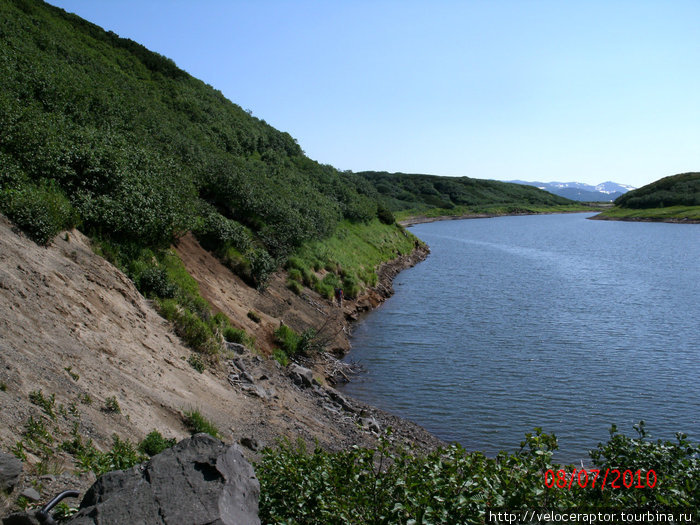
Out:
{"x": 674, "y": 198}
{"x": 413, "y": 194}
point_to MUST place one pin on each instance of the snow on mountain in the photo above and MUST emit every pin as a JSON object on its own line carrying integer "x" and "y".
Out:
{"x": 605, "y": 191}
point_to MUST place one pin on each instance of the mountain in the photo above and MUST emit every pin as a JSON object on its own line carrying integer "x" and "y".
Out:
{"x": 578, "y": 191}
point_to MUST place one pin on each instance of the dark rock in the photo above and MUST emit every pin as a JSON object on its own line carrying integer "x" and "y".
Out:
{"x": 247, "y": 377}
{"x": 340, "y": 399}
{"x": 10, "y": 469}
{"x": 31, "y": 494}
{"x": 198, "y": 481}
{"x": 236, "y": 347}
{"x": 21, "y": 518}
{"x": 251, "y": 443}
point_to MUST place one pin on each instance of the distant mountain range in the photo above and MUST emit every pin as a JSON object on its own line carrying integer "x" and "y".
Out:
{"x": 578, "y": 191}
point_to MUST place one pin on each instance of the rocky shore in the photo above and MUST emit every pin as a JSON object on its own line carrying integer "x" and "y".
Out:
{"x": 82, "y": 351}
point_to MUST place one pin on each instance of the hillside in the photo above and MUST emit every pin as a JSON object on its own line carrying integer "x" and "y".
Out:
{"x": 671, "y": 199}
{"x": 416, "y": 194}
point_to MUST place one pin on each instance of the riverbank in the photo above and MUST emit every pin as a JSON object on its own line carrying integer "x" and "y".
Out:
{"x": 82, "y": 351}
{"x": 671, "y": 214}
{"x": 422, "y": 219}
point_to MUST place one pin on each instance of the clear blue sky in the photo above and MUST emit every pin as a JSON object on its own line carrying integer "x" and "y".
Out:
{"x": 583, "y": 91}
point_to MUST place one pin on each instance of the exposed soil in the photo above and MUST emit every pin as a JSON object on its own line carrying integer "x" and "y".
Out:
{"x": 75, "y": 326}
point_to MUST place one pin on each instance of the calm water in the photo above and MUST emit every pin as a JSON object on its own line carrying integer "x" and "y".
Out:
{"x": 553, "y": 321}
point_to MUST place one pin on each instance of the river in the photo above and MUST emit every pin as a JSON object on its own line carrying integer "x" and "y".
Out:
{"x": 551, "y": 321}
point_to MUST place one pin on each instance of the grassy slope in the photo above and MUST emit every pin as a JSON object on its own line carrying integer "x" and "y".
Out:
{"x": 674, "y": 198}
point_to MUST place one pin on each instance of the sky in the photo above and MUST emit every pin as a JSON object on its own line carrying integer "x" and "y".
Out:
{"x": 536, "y": 90}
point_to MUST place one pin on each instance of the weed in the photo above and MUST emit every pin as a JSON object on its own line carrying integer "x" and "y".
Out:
{"x": 18, "y": 451}
{"x": 294, "y": 286}
{"x": 85, "y": 399}
{"x": 196, "y": 362}
{"x": 47, "y": 404}
{"x": 196, "y": 423}
{"x": 253, "y": 316}
{"x": 3, "y": 386}
{"x": 112, "y": 405}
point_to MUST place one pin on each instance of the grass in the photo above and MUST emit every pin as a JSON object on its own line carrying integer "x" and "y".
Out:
{"x": 691, "y": 213}
{"x": 196, "y": 423}
{"x": 349, "y": 258}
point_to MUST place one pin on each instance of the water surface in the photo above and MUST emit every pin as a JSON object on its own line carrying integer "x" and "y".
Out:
{"x": 549, "y": 321}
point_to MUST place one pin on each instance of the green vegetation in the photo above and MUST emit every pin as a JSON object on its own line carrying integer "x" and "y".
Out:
{"x": 154, "y": 443}
{"x": 449, "y": 196}
{"x": 196, "y": 423}
{"x": 112, "y": 406}
{"x": 396, "y": 484}
{"x": 677, "y": 190}
{"x": 293, "y": 344}
{"x": 675, "y": 198}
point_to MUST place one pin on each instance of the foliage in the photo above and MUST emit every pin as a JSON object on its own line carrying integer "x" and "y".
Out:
{"x": 196, "y": 423}
{"x": 47, "y": 404}
{"x": 397, "y": 484}
{"x": 154, "y": 443}
{"x": 677, "y": 190}
{"x": 254, "y": 316}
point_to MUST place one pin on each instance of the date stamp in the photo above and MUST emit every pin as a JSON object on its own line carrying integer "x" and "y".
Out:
{"x": 610, "y": 478}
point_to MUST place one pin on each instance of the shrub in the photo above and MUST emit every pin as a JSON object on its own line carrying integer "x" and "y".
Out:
{"x": 280, "y": 356}
{"x": 295, "y": 275}
{"x": 253, "y": 316}
{"x": 235, "y": 335}
{"x": 288, "y": 339}
{"x": 196, "y": 423}
{"x": 154, "y": 443}
{"x": 385, "y": 215}
{"x": 41, "y": 211}
{"x": 154, "y": 281}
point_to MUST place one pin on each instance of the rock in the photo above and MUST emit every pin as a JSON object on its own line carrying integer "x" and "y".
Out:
{"x": 198, "y": 481}
{"x": 31, "y": 494}
{"x": 250, "y": 443}
{"x": 340, "y": 399}
{"x": 21, "y": 518}
{"x": 301, "y": 376}
{"x": 256, "y": 390}
{"x": 236, "y": 347}
{"x": 245, "y": 376}
{"x": 10, "y": 469}
{"x": 370, "y": 424}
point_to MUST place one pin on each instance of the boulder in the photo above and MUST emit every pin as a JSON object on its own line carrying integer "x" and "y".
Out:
{"x": 301, "y": 376}
{"x": 10, "y": 469}
{"x": 198, "y": 481}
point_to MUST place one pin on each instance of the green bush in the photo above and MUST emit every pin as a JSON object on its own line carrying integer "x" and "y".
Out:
{"x": 235, "y": 335}
{"x": 288, "y": 339}
{"x": 280, "y": 356}
{"x": 41, "y": 211}
{"x": 295, "y": 275}
{"x": 385, "y": 215}
{"x": 195, "y": 361}
{"x": 154, "y": 281}
{"x": 394, "y": 483}
{"x": 154, "y": 443}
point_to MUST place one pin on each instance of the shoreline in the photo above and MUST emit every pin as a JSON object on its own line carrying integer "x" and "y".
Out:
{"x": 669, "y": 220}
{"x": 422, "y": 219}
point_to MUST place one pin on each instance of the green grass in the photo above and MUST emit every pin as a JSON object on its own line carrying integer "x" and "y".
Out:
{"x": 657, "y": 214}
{"x": 196, "y": 423}
{"x": 349, "y": 258}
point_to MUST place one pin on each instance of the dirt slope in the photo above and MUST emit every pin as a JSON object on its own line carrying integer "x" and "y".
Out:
{"x": 73, "y": 325}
